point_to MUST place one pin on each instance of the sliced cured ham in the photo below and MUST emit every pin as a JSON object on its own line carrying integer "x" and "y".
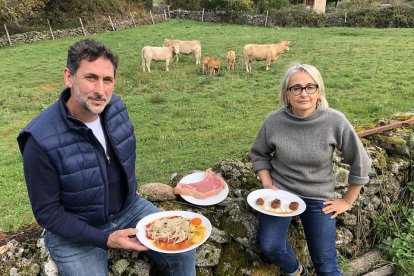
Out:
{"x": 210, "y": 186}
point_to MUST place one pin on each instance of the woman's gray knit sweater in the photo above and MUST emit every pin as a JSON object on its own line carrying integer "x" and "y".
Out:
{"x": 298, "y": 151}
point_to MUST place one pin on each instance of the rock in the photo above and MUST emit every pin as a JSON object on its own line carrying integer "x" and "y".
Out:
{"x": 119, "y": 267}
{"x": 208, "y": 254}
{"x": 157, "y": 192}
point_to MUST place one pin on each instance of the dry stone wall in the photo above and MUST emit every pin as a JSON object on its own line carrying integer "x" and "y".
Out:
{"x": 232, "y": 248}
{"x": 98, "y": 26}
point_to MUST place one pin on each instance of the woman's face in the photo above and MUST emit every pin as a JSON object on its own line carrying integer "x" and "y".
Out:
{"x": 303, "y": 104}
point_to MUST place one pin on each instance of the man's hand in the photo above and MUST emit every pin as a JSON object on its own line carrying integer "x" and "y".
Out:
{"x": 125, "y": 239}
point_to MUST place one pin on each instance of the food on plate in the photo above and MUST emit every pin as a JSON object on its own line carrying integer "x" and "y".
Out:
{"x": 275, "y": 204}
{"x": 175, "y": 232}
{"x": 293, "y": 205}
{"x": 259, "y": 201}
{"x": 210, "y": 186}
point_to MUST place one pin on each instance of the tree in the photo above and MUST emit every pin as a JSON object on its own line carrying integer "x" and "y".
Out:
{"x": 18, "y": 10}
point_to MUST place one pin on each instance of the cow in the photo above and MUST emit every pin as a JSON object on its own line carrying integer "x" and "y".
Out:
{"x": 150, "y": 53}
{"x": 231, "y": 59}
{"x": 213, "y": 66}
{"x": 185, "y": 47}
{"x": 259, "y": 52}
{"x": 206, "y": 59}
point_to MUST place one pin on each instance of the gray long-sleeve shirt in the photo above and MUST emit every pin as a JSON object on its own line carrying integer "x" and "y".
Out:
{"x": 298, "y": 151}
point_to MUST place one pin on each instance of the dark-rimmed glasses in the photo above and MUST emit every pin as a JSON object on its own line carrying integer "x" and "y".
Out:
{"x": 296, "y": 90}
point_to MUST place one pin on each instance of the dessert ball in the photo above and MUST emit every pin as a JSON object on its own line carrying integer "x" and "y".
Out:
{"x": 275, "y": 203}
{"x": 259, "y": 201}
{"x": 293, "y": 206}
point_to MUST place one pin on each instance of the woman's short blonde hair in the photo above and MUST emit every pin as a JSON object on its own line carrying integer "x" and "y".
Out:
{"x": 313, "y": 72}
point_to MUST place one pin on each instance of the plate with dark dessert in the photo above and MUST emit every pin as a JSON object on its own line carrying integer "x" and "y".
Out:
{"x": 276, "y": 202}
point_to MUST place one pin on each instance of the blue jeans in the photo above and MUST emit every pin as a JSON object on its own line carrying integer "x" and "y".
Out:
{"x": 74, "y": 259}
{"x": 320, "y": 232}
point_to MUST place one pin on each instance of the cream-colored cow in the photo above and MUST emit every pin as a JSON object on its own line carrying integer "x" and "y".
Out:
{"x": 186, "y": 47}
{"x": 259, "y": 52}
{"x": 231, "y": 59}
{"x": 150, "y": 53}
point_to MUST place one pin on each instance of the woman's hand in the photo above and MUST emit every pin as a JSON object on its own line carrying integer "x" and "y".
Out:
{"x": 336, "y": 206}
{"x": 125, "y": 239}
{"x": 269, "y": 186}
{"x": 266, "y": 179}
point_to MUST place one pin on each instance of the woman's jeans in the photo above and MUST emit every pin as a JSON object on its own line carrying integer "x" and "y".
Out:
{"x": 320, "y": 232}
{"x": 76, "y": 259}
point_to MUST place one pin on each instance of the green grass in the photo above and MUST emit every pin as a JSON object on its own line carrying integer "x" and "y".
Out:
{"x": 185, "y": 120}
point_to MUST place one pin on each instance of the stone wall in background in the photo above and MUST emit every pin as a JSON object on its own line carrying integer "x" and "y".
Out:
{"x": 232, "y": 248}
{"x": 100, "y": 25}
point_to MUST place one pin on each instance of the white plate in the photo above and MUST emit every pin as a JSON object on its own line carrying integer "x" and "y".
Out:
{"x": 141, "y": 235}
{"x": 285, "y": 198}
{"x": 196, "y": 177}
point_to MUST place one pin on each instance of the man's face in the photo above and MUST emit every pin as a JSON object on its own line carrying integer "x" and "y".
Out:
{"x": 91, "y": 88}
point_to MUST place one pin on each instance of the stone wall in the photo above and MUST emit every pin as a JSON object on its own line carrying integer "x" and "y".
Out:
{"x": 100, "y": 25}
{"x": 232, "y": 248}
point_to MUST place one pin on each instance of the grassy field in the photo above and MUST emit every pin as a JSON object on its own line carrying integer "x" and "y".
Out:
{"x": 185, "y": 120}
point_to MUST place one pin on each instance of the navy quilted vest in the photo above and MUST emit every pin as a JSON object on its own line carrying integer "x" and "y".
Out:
{"x": 78, "y": 158}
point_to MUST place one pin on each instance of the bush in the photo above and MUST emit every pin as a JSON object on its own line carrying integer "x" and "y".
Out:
{"x": 396, "y": 17}
{"x": 269, "y": 5}
{"x": 297, "y": 16}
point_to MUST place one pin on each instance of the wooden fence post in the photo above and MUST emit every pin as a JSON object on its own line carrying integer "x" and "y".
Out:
{"x": 345, "y": 16}
{"x": 202, "y": 16}
{"x": 112, "y": 24}
{"x": 152, "y": 18}
{"x": 50, "y": 28}
{"x": 7, "y": 33}
{"x": 267, "y": 14}
{"x": 83, "y": 29}
{"x": 169, "y": 12}
{"x": 165, "y": 15}
{"x": 133, "y": 21}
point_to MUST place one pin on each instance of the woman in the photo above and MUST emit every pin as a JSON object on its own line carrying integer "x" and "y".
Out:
{"x": 293, "y": 151}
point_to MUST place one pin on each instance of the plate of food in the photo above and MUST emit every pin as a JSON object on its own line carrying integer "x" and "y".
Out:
{"x": 173, "y": 231}
{"x": 202, "y": 188}
{"x": 276, "y": 202}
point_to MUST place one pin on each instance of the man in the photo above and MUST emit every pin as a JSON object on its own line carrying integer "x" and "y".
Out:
{"x": 79, "y": 164}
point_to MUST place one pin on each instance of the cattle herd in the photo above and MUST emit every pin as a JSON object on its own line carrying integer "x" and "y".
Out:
{"x": 211, "y": 65}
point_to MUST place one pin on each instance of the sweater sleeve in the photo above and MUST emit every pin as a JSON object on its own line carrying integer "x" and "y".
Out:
{"x": 261, "y": 152}
{"x": 355, "y": 155}
{"x": 44, "y": 193}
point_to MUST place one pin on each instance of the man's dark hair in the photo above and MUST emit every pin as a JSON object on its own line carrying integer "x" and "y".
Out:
{"x": 90, "y": 50}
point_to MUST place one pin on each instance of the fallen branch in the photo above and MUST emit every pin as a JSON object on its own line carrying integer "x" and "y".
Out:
{"x": 392, "y": 125}
{"x": 382, "y": 271}
{"x": 364, "y": 263}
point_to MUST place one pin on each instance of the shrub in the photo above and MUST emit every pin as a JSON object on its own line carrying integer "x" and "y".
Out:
{"x": 297, "y": 16}
{"x": 269, "y": 5}
{"x": 377, "y": 17}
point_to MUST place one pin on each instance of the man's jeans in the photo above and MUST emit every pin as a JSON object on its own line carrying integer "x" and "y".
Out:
{"x": 320, "y": 233}
{"x": 76, "y": 259}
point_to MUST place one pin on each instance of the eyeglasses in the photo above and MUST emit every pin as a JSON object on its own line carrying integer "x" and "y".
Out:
{"x": 297, "y": 89}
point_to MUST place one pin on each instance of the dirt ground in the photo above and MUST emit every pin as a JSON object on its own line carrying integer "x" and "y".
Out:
{"x": 22, "y": 235}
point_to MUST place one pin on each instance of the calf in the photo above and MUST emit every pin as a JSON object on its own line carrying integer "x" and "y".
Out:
{"x": 231, "y": 59}
{"x": 186, "y": 47}
{"x": 150, "y": 53}
{"x": 268, "y": 52}
{"x": 213, "y": 66}
{"x": 206, "y": 59}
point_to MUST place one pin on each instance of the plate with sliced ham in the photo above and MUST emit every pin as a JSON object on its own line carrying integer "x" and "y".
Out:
{"x": 202, "y": 188}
